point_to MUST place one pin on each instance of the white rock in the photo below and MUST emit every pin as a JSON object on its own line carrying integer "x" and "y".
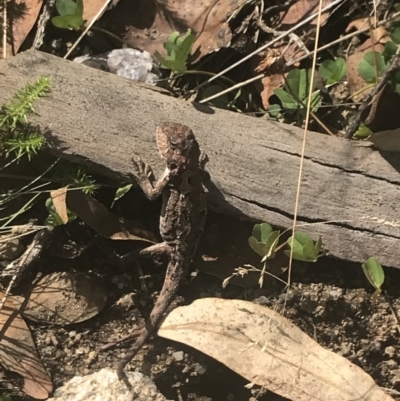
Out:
{"x": 105, "y": 386}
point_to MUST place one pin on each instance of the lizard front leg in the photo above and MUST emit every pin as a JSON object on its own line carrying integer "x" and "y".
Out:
{"x": 144, "y": 174}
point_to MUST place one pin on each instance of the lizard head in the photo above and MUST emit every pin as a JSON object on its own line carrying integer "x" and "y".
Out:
{"x": 177, "y": 146}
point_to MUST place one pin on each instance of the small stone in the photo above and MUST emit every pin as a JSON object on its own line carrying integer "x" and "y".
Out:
{"x": 336, "y": 293}
{"x": 105, "y": 386}
{"x": 200, "y": 369}
{"x": 178, "y": 356}
{"x": 390, "y": 351}
{"x": 126, "y": 302}
{"x": 391, "y": 364}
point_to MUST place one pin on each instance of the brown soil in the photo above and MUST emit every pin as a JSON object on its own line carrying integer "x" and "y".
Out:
{"x": 329, "y": 300}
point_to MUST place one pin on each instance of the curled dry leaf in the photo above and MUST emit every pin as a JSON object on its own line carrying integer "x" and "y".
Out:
{"x": 66, "y": 298}
{"x": 267, "y": 349}
{"x": 18, "y": 352}
{"x": 59, "y": 197}
{"x": 22, "y": 15}
{"x": 103, "y": 221}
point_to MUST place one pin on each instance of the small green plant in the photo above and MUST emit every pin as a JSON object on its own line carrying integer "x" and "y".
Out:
{"x": 332, "y": 71}
{"x": 294, "y": 94}
{"x": 265, "y": 242}
{"x": 374, "y": 272}
{"x": 71, "y": 14}
{"x": 363, "y": 132}
{"x": 304, "y": 248}
{"x": 16, "y": 135}
{"x": 15, "y": 112}
{"x": 18, "y": 139}
{"x": 178, "y": 51}
{"x": 374, "y": 63}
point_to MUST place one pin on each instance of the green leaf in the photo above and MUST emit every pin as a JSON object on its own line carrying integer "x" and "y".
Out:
{"x": 363, "y": 132}
{"x": 173, "y": 65}
{"x": 286, "y": 99}
{"x": 296, "y": 87}
{"x": 333, "y": 70}
{"x": 389, "y": 51}
{"x": 79, "y": 8}
{"x": 185, "y": 47}
{"x": 316, "y": 101}
{"x": 74, "y": 21}
{"x": 5, "y": 397}
{"x": 178, "y": 50}
{"x": 261, "y": 232}
{"x": 274, "y": 110}
{"x": 171, "y": 45}
{"x": 374, "y": 272}
{"x": 65, "y": 7}
{"x": 121, "y": 191}
{"x": 395, "y": 34}
{"x": 366, "y": 67}
{"x": 395, "y": 80}
{"x": 60, "y": 22}
{"x": 264, "y": 240}
{"x": 304, "y": 248}
{"x": 298, "y": 83}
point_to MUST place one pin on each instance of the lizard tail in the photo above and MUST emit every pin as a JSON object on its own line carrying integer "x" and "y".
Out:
{"x": 173, "y": 277}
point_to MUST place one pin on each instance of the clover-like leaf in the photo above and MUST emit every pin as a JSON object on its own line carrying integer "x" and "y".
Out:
{"x": 79, "y": 8}
{"x": 333, "y": 70}
{"x": 287, "y": 100}
{"x": 264, "y": 240}
{"x": 371, "y": 65}
{"x": 304, "y": 248}
{"x": 395, "y": 33}
{"x": 66, "y": 7}
{"x": 298, "y": 83}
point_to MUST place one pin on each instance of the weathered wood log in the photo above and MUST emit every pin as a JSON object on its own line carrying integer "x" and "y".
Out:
{"x": 349, "y": 194}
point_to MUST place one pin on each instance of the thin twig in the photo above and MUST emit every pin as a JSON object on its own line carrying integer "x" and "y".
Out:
{"x": 41, "y": 25}
{"x": 303, "y": 148}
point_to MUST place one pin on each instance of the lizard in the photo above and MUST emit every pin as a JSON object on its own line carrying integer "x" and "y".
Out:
{"x": 183, "y": 215}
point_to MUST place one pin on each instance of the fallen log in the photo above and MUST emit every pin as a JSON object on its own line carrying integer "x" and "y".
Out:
{"x": 349, "y": 193}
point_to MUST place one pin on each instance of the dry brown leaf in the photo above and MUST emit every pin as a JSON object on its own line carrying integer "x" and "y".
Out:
{"x": 267, "y": 349}
{"x": 103, "y": 221}
{"x": 91, "y": 8}
{"x": 270, "y": 82}
{"x": 150, "y": 23}
{"x": 18, "y": 352}
{"x": 302, "y": 9}
{"x": 66, "y": 298}
{"x": 22, "y": 15}
{"x": 59, "y": 197}
{"x": 376, "y": 42}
